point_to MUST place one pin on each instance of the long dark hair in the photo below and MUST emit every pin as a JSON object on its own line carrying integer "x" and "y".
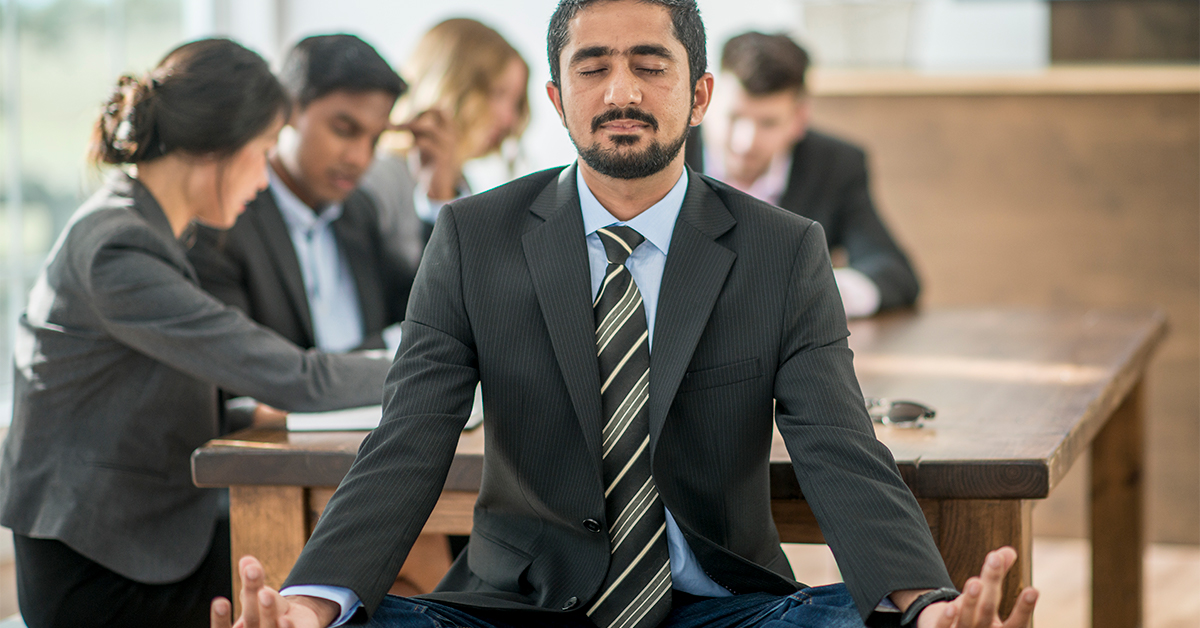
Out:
{"x": 207, "y": 97}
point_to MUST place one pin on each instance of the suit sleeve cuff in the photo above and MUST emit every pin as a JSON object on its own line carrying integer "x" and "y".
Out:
{"x": 346, "y": 600}
{"x": 239, "y": 413}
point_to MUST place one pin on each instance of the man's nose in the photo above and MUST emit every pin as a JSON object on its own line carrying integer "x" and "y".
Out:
{"x": 623, "y": 89}
{"x": 264, "y": 180}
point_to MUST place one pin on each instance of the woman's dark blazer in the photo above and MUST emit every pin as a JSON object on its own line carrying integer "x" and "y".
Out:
{"x": 117, "y": 362}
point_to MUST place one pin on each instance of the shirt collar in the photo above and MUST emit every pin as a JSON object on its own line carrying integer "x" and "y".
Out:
{"x": 656, "y": 224}
{"x": 296, "y": 213}
{"x": 769, "y": 187}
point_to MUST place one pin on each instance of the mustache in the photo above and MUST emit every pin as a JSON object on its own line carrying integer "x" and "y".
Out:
{"x": 628, "y": 113}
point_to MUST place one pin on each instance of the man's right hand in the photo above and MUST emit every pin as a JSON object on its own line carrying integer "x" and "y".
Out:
{"x": 263, "y": 607}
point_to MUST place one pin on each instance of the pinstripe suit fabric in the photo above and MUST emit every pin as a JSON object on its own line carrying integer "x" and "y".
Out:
{"x": 749, "y": 323}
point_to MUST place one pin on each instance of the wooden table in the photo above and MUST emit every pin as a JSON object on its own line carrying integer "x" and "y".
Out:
{"x": 1020, "y": 395}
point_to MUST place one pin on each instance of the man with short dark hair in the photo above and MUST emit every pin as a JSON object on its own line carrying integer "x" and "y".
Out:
{"x": 307, "y": 258}
{"x": 637, "y": 329}
{"x": 757, "y": 138}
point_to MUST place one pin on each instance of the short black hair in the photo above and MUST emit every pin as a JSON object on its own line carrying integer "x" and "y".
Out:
{"x": 321, "y": 64}
{"x": 765, "y": 64}
{"x": 685, "y": 17}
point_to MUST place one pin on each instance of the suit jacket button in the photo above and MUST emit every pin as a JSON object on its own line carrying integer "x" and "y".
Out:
{"x": 592, "y": 525}
{"x": 570, "y": 603}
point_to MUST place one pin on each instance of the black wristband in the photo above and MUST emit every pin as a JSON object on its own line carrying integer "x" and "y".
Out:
{"x": 909, "y": 618}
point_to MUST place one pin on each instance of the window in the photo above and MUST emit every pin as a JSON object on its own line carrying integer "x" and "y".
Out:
{"x": 60, "y": 59}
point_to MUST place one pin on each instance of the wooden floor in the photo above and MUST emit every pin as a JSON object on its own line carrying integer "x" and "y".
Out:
{"x": 1061, "y": 572}
{"x": 1060, "y": 568}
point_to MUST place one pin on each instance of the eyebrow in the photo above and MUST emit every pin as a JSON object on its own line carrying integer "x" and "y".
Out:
{"x": 592, "y": 52}
{"x": 348, "y": 119}
{"x": 652, "y": 50}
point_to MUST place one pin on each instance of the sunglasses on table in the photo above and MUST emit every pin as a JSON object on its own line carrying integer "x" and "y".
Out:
{"x": 897, "y": 412}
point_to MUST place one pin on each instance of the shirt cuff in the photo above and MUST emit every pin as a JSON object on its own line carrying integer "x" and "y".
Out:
{"x": 426, "y": 208}
{"x": 860, "y": 295}
{"x": 346, "y": 600}
{"x": 886, "y": 605}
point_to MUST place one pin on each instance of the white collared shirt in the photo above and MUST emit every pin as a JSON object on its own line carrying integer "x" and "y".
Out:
{"x": 328, "y": 281}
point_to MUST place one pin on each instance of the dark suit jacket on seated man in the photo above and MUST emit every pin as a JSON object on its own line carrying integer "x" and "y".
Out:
{"x": 757, "y": 138}
{"x": 255, "y": 268}
{"x": 624, "y": 488}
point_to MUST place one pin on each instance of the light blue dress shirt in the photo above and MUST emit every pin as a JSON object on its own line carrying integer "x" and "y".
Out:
{"x": 328, "y": 282}
{"x": 646, "y": 265}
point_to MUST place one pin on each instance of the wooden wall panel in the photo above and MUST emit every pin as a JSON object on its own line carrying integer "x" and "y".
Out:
{"x": 1124, "y": 31}
{"x": 1057, "y": 200}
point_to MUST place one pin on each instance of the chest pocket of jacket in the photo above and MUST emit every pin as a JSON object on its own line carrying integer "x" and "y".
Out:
{"x": 720, "y": 375}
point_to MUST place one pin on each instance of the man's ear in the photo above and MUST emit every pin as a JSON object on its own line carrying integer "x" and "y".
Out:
{"x": 555, "y": 95}
{"x": 702, "y": 98}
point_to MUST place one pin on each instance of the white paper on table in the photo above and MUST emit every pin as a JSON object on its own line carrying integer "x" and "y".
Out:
{"x": 364, "y": 418}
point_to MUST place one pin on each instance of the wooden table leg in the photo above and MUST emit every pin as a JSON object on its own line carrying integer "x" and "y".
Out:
{"x": 269, "y": 523}
{"x": 968, "y": 529}
{"x": 1118, "y": 536}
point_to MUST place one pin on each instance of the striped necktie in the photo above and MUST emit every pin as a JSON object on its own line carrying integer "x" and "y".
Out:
{"x": 637, "y": 589}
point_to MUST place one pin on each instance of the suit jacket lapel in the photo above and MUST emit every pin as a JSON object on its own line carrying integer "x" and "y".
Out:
{"x": 279, "y": 248}
{"x": 558, "y": 264}
{"x": 354, "y": 241}
{"x": 695, "y": 273}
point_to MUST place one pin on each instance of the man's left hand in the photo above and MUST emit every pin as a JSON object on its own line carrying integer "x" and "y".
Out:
{"x": 979, "y": 605}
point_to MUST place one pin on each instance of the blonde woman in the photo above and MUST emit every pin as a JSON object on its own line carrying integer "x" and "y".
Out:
{"x": 468, "y": 94}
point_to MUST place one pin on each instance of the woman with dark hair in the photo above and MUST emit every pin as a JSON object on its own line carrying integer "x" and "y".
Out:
{"x": 120, "y": 353}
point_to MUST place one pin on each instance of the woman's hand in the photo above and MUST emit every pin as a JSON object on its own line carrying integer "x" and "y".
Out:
{"x": 436, "y": 142}
{"x": 266, "y": 416}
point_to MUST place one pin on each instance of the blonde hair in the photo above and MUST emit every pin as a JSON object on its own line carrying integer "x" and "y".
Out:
{"x": 454, "y": 68}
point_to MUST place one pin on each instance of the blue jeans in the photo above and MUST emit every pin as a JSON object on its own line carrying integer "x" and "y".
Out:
{"x": 817, "y": 607}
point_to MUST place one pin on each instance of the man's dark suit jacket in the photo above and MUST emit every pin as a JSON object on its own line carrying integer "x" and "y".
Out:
{"x": 828, "y": 184}
{"x": 749, "y": 324}
{"x": 254, "y": 267}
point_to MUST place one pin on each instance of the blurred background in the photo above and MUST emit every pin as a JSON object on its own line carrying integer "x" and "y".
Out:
{"x": 1026, "y": 152}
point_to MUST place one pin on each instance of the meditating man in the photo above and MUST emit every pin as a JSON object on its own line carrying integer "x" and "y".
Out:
{"x": 637, "y": 328}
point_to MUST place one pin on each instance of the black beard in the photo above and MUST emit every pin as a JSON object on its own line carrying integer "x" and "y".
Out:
{"x": 637, "y": 165}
